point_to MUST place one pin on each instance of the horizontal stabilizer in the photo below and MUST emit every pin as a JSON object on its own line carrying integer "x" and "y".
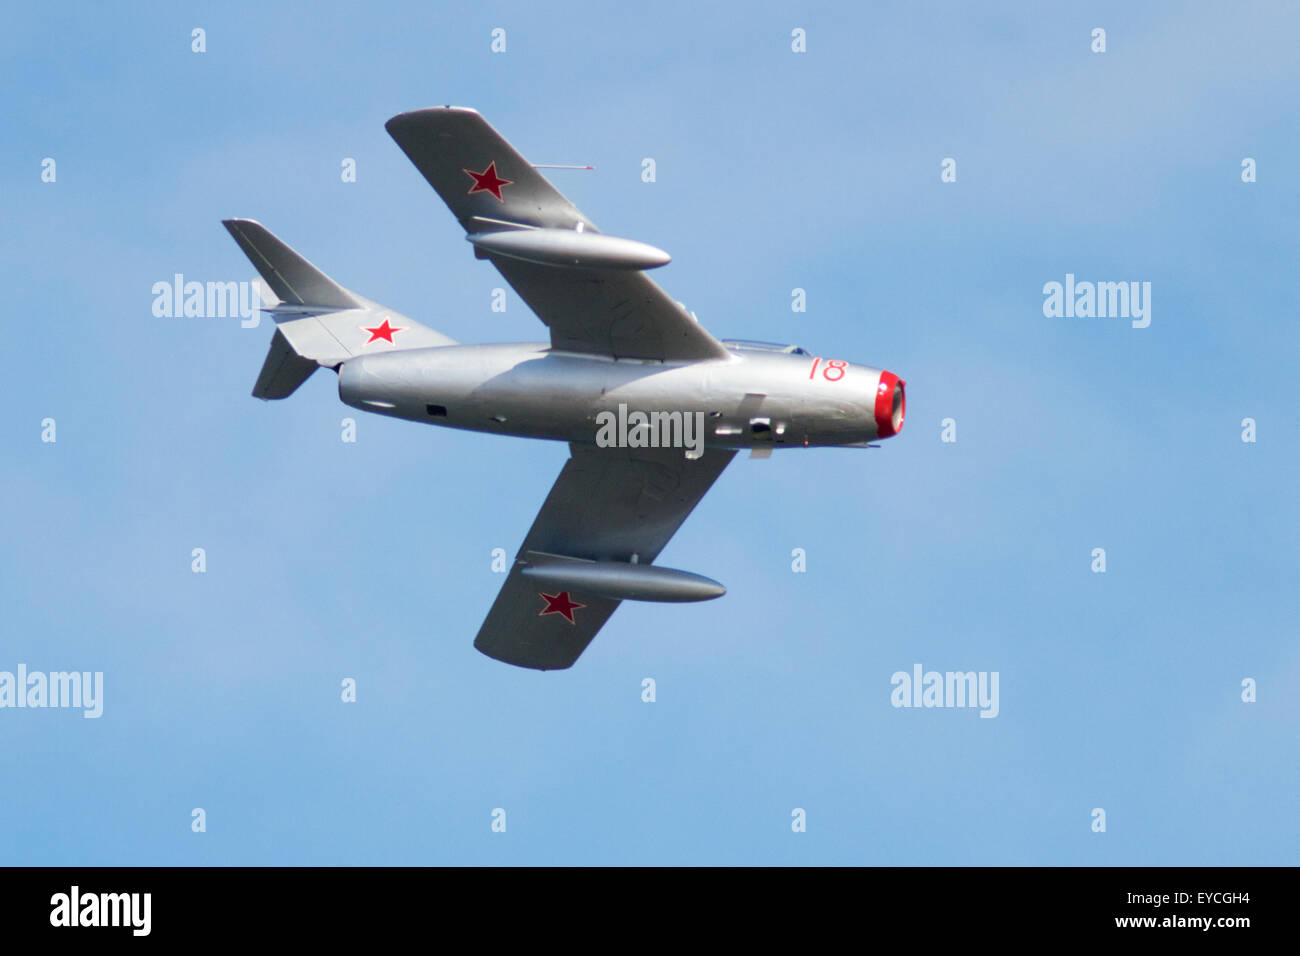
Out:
{"x": 283, "y": 371}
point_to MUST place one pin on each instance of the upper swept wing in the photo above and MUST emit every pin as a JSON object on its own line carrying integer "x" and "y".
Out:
{"x": 489, "y": 186}
{"x": 608, "y": 504}
{"x": 616, "y": 313}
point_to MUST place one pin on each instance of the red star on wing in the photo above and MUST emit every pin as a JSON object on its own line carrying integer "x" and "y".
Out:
{"x": 384, "y": 331}
{"x": 560, "y": 604}
{"x": 488, "y": 181}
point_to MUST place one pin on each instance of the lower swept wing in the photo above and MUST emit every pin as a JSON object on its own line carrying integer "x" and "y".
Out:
{"x": 609, "y": 504}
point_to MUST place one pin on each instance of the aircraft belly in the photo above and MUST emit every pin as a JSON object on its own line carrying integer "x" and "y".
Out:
{"x": 545, "y": 396}
{"x": 530, "y": 391}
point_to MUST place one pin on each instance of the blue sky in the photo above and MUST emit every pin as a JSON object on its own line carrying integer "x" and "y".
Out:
{"x": 775, "y": 170}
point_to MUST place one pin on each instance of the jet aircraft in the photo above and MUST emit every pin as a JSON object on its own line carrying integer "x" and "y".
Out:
{"x": 626, "y": 375}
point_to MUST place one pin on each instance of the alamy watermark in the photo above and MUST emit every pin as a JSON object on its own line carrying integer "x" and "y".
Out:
{"x": 129, "y": 910}
{"x": 1102, "y": 300}
{"x": 651, "y": 430}
{"x": 209, "y": 300}
{"x": 922, "y": 688}
{"x": 82, "y": 689}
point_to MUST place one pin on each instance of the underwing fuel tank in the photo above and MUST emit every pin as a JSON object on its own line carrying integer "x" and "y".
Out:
{"x": 569, "y": 248}
{"x": 619, "y": 580}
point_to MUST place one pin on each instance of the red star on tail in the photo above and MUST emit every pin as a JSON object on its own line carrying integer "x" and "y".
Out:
{"x": 560, "y": 604}
{"x": 488, "y": 181}
{"x": 384, "y": 332}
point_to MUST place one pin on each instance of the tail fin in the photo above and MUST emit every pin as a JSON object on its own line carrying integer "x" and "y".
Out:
{"x": 318, "y": 322}
{"x": 290, "y": 276}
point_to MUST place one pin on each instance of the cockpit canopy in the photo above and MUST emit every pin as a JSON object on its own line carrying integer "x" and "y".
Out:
{"x": 745, "y": 345}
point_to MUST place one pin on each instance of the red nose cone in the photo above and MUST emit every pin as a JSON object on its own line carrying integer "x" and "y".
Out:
{"x": 891, "y": 404}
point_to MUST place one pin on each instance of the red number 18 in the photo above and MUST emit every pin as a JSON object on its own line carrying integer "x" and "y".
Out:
{"x": 833, "y": 372}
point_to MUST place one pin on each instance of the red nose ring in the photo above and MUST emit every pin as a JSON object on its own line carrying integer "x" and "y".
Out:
{"x": 891, "y": 404}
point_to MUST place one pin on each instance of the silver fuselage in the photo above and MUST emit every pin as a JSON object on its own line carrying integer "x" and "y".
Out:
{"x": 529, "y": 390}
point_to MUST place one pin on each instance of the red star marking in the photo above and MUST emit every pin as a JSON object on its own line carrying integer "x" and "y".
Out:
{"x": 488, "y": 181}
{"x": 560, "y": 604}
{"x": 384, "y": 332}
